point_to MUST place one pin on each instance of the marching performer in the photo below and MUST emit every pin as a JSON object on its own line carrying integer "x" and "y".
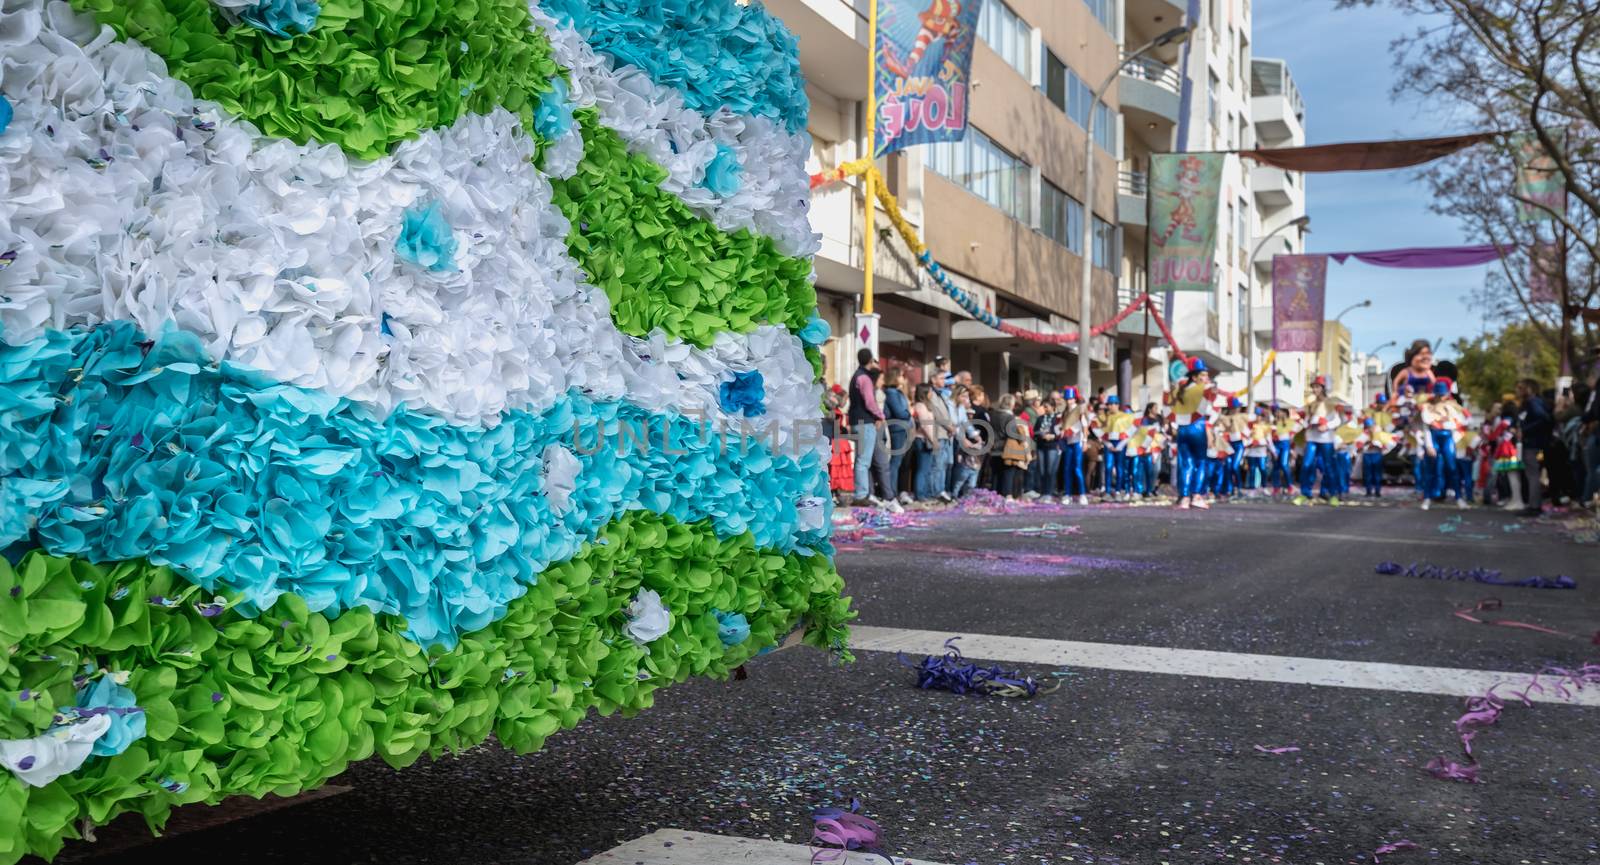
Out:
{"x": 1147, "y": 441}
{"x": 1375, "y": 441}
{"x": 1344, "y": 450}
{"x": 1191, "y": 409}
{"x": 1118, "y": 426}
{"x": 1466, "y": 455}
{"x": 1257, "y": 451}
{"x": 1322, "y": 423}
{"x": 1074, "y": 431}
{"x": 1285, "y": 426}
{"x": 1236, "y": 429}
{"x": 1444, "y": 418}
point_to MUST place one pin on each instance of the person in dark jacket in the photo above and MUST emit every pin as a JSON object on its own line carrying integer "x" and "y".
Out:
{"x": 866, "y": 423}
{"x": 1537, "y": 428}
{"x": 897, "y": 414}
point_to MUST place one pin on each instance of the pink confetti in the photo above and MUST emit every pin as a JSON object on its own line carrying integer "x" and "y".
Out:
{"x": 1448, "y": 770}
{"x": 1396, "y": 847}
{"x": 1286, "y": 750}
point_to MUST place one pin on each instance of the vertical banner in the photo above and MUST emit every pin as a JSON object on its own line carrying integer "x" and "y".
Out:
{"x": 924, "y": 65}
{"x": 1539, "y": 181}
{"x": 1544, "y": 272}
{"x": 1184, "y": 188}
{"x": 1299, "y": 296}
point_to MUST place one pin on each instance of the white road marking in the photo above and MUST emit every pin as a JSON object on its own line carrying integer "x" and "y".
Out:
{"x": 680, "y": 847}
{"x": 1218, "y": 665}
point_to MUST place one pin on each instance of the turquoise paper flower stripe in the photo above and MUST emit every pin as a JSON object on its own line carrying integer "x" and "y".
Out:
{"x": 717, "y": 53}
{"x": 114, "y": 447}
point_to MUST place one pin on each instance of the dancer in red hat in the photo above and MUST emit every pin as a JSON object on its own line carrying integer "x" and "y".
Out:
{"x": 1074, "y": 430}
{"x": 1323, "y": 420}
{"x": 1445, "y": 419}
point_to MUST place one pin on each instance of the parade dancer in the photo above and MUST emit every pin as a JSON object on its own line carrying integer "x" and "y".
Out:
{"x": 1444, "y": 417}
{"x": 1074, "y": 430}
{"x": 1236, "y": 429}
{"x": 1191, "y": 409}
{"x": 1344, "y": 451}
{"x": 1284, "y": 429}
{"x": 1322, "y": 424}
{"x": 1143, "y": 445}
{"x": 1118, "y": 428}
{"x": 1219, "y": 455}
{"x": 1373, "y": 442}
{"x": 1466, "y": 453}
{"x": 1257, "y": 450}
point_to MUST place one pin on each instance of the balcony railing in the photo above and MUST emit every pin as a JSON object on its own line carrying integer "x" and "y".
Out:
{"x": 1154, "y": 71}
{"x": 1135, "y": 183}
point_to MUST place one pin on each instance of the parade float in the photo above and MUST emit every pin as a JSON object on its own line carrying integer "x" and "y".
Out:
{"x": 369, "y": 374}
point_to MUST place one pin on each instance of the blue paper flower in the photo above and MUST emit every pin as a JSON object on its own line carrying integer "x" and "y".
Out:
{"x": 553, "y": 119}
{"x": 732, "y": 628}
{"x": 723, "y": 172}
{"x": 816, "y": 331}
{"x": 745, "y": 394}
{"x": 5, "y": 114}
{"x": 425, "y": 238}
{"x": 283, "y": 18}
{"x": 127, "y": 719}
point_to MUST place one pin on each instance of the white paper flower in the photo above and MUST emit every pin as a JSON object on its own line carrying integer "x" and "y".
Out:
{"x": 56, "y": 752}
{"x": 561, "y": 469}
{"x": 648, "y": 618}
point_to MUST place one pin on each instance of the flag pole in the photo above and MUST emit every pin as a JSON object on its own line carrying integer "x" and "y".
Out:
{"x": 867, "y": 325}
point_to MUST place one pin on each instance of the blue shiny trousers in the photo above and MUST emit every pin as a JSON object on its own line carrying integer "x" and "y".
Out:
{"x": 1255, "y": 472}
{"x": 1372, "y": 472}
{"x": 1464, "y": 478}
{"x": 1282, "y": 475}
{"x": 1442, "y": 465}
{"x": 1342, "y": 466}
{"x": 1192, "y": 461}
{"x": 1072, "y": 471}
{"x": 1229, "y": 482}
{"x": 1143, "y": 470}
{"x": 1319, "y": 458}
{"x": 1116, "y": 470}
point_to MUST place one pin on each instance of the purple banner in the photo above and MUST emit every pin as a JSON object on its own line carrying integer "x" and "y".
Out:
{"x": 924, "y": 66}
{"x": 1299, "y": 296}
{"x": 1544, "y": 273}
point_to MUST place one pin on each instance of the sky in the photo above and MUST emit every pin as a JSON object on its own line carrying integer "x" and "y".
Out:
{"x": 1340, "y": 60}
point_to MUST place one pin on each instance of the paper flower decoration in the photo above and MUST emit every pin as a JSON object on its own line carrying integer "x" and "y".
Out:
{"x": 732, "y": 628}
{"x": 282, "y": 17}
{"x": 425, "y": 239}
{"x": 6, "y": 113}
{"x": 744, "y": 394}
{"x": 816, "y": 331}
{"x": 648, "y": 618}
{"x": 417, "y": 364}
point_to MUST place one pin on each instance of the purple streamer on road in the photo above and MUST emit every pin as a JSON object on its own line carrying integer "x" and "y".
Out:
{"x": 1394, "y": 847}
{"x": 1484, "y": 712}
{"x": 952, "y": 672}
{"x": 1487, "y": 576}
{"x": 835, "y": 831}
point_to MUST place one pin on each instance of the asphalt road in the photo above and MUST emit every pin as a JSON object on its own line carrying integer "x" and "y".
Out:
{"x": 1117, "y": 768}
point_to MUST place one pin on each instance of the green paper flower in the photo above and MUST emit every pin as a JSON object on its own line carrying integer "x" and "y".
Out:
{"x": 368, "y": 76}
{"x": 287, "y": 700}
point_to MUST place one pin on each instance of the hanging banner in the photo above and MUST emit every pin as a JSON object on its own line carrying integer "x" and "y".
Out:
{"x": 924, "y": 65}
{"x": 1541, "y": 187}
{"x": 1299, "y": 295}
{"x": 1544, "y": 273}
{"x": 1184, "y": 189}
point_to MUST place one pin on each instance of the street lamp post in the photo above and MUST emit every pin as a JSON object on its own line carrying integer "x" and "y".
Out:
{"x": 1085, "y": 293}
{"x": 1304, "y": 224}
{"x": 1351, "y": 308}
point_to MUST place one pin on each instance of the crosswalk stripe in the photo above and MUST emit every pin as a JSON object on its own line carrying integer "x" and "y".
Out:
{"x": 1403, "y": 678}
{"x": 681, "y": 847}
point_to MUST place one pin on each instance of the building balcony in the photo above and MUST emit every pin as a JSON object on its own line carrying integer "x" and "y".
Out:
{"x": 1275, "y": 188}
{"x": 1149, "y": 91}
{"x": 1133, "y": 193}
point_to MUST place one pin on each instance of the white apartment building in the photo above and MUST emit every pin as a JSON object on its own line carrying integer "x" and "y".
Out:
{"x": 1278, "y": 115}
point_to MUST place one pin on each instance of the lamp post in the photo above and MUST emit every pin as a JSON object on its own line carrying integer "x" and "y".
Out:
{"x": 1351, "y": 308}
{"x": 1304, "y": 224}
{"x": 1085, "y": 293}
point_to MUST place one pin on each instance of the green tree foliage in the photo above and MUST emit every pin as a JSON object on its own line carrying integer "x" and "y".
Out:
{"x": 1490, "y": 365}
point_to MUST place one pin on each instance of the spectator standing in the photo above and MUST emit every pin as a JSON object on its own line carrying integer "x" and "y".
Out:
{"x": 1016, "y": 443}
{"x": 1590, "y": 434}
{"x": 897, "y": 414}
{"x": 968, "y": 446}
{"x": 1047, "y": 442}
{"x": 925, "y": 444}
{"x": 866, "y": 423}
{"x": 1537, "y": 428}
{"x": 944, "y": 421}
{"x": 983, "y": 424}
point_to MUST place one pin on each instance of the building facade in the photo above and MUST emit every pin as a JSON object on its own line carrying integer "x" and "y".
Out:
{"x": 1004, "y": 210}
{"x": 1278, "y": 116}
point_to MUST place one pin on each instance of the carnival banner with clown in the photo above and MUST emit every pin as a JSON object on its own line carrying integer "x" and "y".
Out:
{"x": 924, "y": 57}
{"x": 362, "y": 404}
{"x": 1184, "y": 189}
{"x": 1299, "y": 300}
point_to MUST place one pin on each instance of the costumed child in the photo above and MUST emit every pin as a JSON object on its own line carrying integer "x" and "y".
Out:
{"x": 1285, "y": 426}
{"x": 1116, "y": 427}
{"x": 1236, "y": 428}
{"x": 1322, "y": 423}
{"x": 1444, "y": 417}
{"x": 1466, "y": 455}
{"x": 1344, "y": 451}
{"x": 1375, "y": 441}
{"x": 1257, "y": 450}
{"x": 1074, "y": 432}
{"x": 1191, "y": 410}
{"x": 1219, "y": 455}
{"x": 1507, "y": 457}
{"x": 1143, "y": 445}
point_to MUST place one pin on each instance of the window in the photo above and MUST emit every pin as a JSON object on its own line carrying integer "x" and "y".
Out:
{"x": 1069, "y": 93}
{"x": 1105, "y": 12}
{"x": 987, "y": 171}
{"x": 1213, "y": 100}
{"x": 1105, "y": 245}
{"x": 1244, "y": 224}
{"x": 1008, "y": 35}
{"x": 1060, "y": 217}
